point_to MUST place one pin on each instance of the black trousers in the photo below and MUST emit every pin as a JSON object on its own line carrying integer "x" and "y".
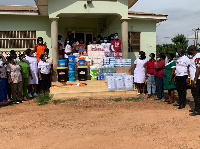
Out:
{"x": 196, "y": 96}
{"x": 181, "y": 87}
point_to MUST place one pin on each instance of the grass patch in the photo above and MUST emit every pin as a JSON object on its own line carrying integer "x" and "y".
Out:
{"x": 133, "y": 99}
{"x": 56, "y": 102}
{"x": 43, "y": 99}
{"x": 73, "y": 100}
{"x": 117, "y": 99}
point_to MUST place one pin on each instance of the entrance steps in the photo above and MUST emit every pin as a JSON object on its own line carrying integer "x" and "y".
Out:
{"x": 92, "y": 89}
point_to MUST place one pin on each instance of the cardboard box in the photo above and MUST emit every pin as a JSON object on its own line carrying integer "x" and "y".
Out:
{"x": 123, "y": 70}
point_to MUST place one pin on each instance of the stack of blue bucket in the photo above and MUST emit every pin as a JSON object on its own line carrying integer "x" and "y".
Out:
{"x": 71, "y": 65}
{"x": 62, "y": 71}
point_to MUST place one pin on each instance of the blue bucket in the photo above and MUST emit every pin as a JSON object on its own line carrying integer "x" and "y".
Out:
{"x": 62, "y": 63}
{"x": 71, "y": 75}
{"x": 71, "y": 66}
{"x": 71, "y": 58}
{"x": 82, "y": 62}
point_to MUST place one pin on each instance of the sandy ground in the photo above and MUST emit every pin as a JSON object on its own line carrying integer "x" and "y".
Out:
{"x": 98, "y": 124}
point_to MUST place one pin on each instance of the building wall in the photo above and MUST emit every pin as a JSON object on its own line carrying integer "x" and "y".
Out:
{"x": 147, "y": 37}
{"x": 22, "y": 23}
{"x": 66, "y": 25}
{"x": 43, "y": 28}
{"x": 97, "y": 7}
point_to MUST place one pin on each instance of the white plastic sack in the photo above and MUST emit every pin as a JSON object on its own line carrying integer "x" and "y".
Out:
{"x": 128, "y": 82}
{"x": 119, "y": 80}
{"x": 111, "y": 83}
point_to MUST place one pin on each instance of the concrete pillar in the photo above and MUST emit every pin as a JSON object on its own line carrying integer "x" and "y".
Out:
{"x": 124, "y": 28}
{"x": 54, "y": 46}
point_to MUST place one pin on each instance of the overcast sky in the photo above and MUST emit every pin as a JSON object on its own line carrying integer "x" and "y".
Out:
{"x": 183, "y": 16}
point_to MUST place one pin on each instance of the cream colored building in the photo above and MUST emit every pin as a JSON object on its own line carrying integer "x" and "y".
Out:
{"x": 21, "y": 25}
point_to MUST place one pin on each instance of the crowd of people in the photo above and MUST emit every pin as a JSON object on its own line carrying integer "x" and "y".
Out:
{"x": 111, "y": 45}
{"x": 166, "y": 73}
{"x": 23, "y": 76}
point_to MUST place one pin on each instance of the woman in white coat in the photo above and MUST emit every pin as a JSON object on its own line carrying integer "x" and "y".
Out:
{"x": 33, "y": 63}
{"x": 139, "y": 72}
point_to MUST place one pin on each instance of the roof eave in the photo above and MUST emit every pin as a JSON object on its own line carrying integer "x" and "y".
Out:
{"x": 148, "y": 17}
{"x": 24, "y": 13}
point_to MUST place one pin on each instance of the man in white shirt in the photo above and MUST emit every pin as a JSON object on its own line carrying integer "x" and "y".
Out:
{"x": 195, "y": 77}
{"x": 182, "y": 76}
{"x": 107, "y": 47}
{"x": 68, "y": 50}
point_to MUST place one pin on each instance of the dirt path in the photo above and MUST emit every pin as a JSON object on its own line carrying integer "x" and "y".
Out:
{"x": 98, "y": 124}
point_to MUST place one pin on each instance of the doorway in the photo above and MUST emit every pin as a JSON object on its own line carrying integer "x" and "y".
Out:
{"x": 87, "y": 37}
{"x": 79, "y": 36}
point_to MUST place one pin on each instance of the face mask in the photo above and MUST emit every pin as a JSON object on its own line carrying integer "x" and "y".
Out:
{"x": 101, "y": 41}
{"x": 46, "y": 58}
{"x": 15, "y": 60}
{"x": 24, "y": 59}
{"x": 177, "y": 54}
{"x": 40, "y": 42}
{"x": 33, "y": 55}
{"x": 67, "y": 42}
{"x": 94, "y": 42}
{"x": 189, "y": 52}
{"x": 105, "y": 41}
{"x": 149, "y": 58}
{"x": 158, "y": 59}
{"x": 116, "y": 37}
{"x": 111, "y": 38}
{"x": 139, "y": 56}
{"x": 1, "y": 60}
{"x": 166, "y": 60}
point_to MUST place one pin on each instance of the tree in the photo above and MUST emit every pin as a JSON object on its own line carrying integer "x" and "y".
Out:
{"x": 180, "y": 42}
{"x": 165, "y": 48}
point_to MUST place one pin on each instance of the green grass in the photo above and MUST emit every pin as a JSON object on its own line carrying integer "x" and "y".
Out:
{"x": 117, "y": 99}
{"x": 73, "y": 100}
{"x": 56, "y": 102}
{"x": 133, "y": 99}
{"x": 43, "y": 99}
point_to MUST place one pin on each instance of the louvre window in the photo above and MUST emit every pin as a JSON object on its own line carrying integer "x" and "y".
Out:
{"x": 17, "y": 39}
{"x": 134, "y": 42}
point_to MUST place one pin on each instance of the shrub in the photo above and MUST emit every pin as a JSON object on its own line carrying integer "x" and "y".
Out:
{"x": 133, "y": 99}
{"x": 43, "y": 99}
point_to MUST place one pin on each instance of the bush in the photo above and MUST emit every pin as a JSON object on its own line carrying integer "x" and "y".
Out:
{"x": 43, "y": 99}
{"x": 56, "y": 102}
{"x": 73, "y": 100}
{"x": 133, "y": 99}
{"x": 117, "y": 99}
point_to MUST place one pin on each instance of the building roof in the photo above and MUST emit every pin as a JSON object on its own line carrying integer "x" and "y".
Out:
{"x": 145, "y": 13}
{"x": 18, "y": 10}
{"x": 33, "y": 10}
{"x": 147, "y": 16}
{"x": 131, "y": 3}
